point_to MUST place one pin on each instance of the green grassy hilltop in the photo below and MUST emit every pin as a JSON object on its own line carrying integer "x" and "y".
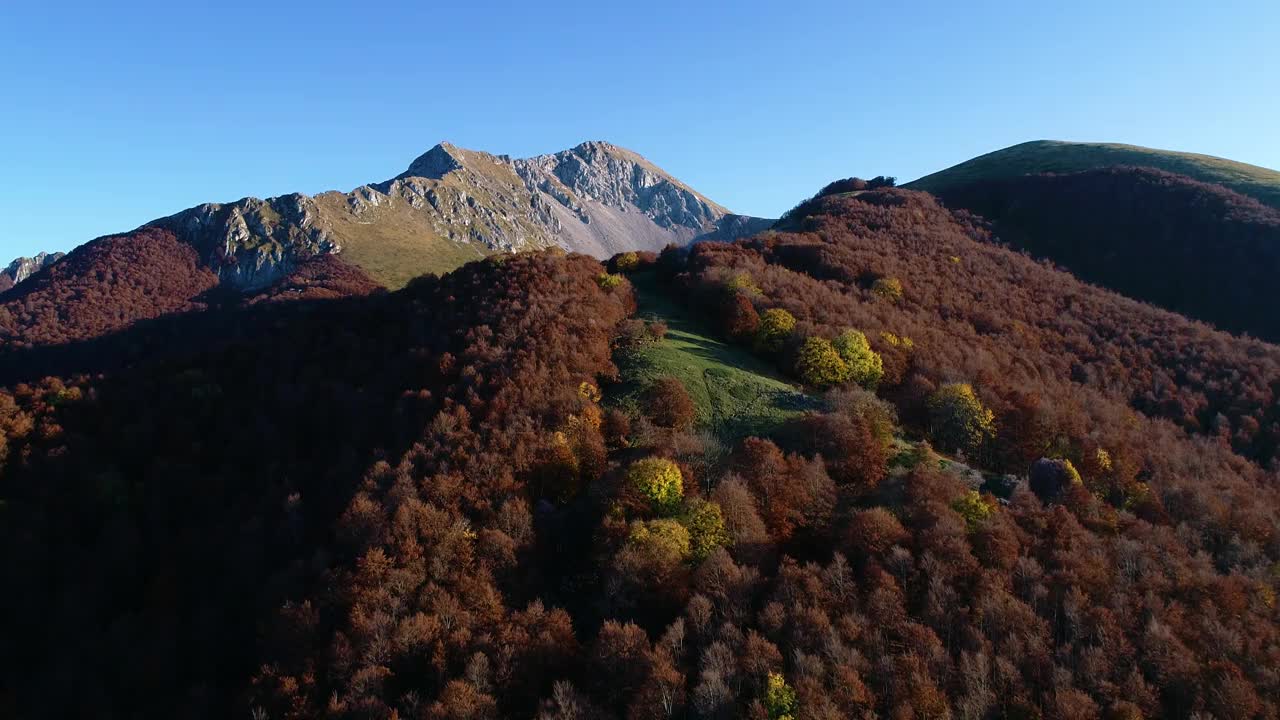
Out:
{"x": 1041, "y": 156}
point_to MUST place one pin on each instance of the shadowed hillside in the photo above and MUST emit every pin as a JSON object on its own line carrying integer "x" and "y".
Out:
{"x": 159, "y": 517}
{"x": 1192, "y": 247}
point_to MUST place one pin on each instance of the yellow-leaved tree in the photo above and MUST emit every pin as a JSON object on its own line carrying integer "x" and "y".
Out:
{"x": 658, "y": 480}
{"x": 706, "y": 527}
{"x": 959, "y": 421}
{"x": 776, "y": 325}
{"x": 820, "y": 364}
{"x": 865, "y": 365}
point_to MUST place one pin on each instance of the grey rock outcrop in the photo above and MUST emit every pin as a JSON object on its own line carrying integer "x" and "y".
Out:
{"x": 1050, "y": 477}
{"x": 24, "y": 267}
{"x": 731, "y": 227}
{"x": 251, "y": 243}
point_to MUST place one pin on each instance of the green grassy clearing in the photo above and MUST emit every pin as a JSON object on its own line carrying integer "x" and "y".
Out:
{"x": 736, "y": 393}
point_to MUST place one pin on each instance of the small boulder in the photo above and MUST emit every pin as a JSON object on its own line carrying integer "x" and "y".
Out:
{"x": 1051, "y": 476}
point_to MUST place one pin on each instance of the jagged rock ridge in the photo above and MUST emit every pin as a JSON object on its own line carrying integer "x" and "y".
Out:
{"x": 24, "y": 267}
{"x": 452, "y": 205}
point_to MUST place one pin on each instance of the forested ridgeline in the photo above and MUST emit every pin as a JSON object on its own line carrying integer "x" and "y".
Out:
{"x": 1192, "y": 247}
{"x": 109, "y": 286}
{"x": 105, "y": 285}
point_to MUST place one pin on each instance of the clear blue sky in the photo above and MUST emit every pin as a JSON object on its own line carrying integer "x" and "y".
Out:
{"x": 112, "y": 114}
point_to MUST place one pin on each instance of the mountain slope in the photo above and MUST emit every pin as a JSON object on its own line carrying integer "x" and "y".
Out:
{"x": 981, "y": 312}
{"x": 733, "y": 393}
{"x": 449, "y": 207}
{"x": 1040, "y": 156}
{"x": 452, "y": 205}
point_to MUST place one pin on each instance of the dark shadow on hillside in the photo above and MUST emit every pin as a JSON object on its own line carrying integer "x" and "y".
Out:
{"x": 172, "y": 337}
{"x": 203, "y": 466}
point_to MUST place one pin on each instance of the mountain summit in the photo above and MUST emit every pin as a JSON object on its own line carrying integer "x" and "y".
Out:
{"x": 453, "y": 205}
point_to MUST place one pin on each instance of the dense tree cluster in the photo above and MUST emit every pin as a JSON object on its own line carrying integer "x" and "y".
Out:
{"x": 1196, "y": 248}
{"x": 849, "y": 358}
{"x": 105, "y": 286}
{"x": 378, "y": 446}
{"x": 116, "y": 282}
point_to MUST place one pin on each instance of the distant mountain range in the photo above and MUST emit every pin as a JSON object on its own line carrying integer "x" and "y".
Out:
{"x": 453, "y": 205}
{"x": 450, "y": 206}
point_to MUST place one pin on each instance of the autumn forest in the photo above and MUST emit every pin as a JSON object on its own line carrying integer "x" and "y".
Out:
{"x": 993, "y": 490}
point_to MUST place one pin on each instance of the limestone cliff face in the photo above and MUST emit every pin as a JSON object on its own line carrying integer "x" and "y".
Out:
{"x": 24, "y": 267}
{"x": 252, "y": 243}
{"x": 452, "y": 205}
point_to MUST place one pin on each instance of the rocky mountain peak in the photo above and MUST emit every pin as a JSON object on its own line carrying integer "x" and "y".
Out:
{"x": 435, "y": 163}
{"x": 625, "y": 181}
{"x": 604, "y": 154}
{"x": 597, "y": 148}
{"x": 452, "y": 205}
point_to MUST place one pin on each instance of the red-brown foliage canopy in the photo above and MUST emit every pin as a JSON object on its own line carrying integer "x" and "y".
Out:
{"x": 1072, "y": 371}
{"x": 668, "y": 403}
{"x": 115, "y": 282}
{"x": 374, "y": 445}
{"x": 977, "y": 312}
{"x": 105, "y": 286}
{"x": 853, "y": 454}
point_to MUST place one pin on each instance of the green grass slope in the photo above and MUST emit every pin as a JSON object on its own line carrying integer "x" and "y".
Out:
{"x": 394, "y": 244}
{"x": 736, "y": 393}
{"x": 1041, "y": 156}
